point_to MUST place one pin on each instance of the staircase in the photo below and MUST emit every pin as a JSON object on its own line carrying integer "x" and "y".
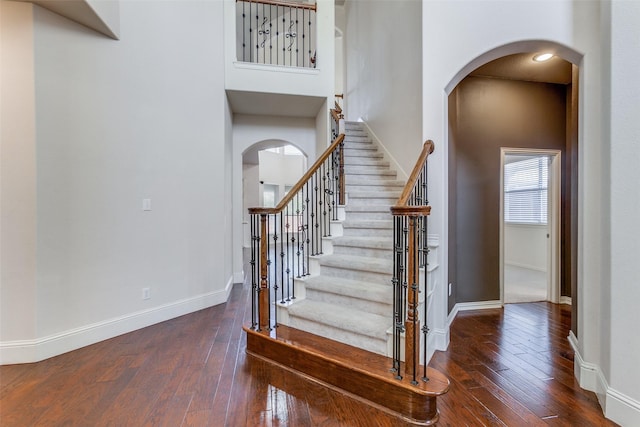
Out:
{"x": 350, "y": 301}
{"x": 337, "y": 327}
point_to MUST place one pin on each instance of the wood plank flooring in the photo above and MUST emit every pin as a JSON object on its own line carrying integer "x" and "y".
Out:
{"x": 508, "y": 367}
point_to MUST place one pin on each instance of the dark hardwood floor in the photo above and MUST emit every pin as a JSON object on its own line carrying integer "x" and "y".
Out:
{"x": 507, "y": 367}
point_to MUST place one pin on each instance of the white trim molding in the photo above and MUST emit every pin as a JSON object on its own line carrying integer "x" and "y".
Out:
{"x": 616, "y": 406}
{"x": 30, "y": 351}
{"x": 621, "y": 408}
{"x": 476, "y": 305}
{"x": 586, "y": 373}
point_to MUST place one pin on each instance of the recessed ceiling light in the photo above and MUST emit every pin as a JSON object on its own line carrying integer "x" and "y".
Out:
{"x": 543, "y": 57}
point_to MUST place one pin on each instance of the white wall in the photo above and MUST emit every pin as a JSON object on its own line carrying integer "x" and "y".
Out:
{"x": 384, "y": 73}
{"x": 457, "y": 39}
{"x": 249, "y": 130}
{"x": 281, "y": 170}
{"x": 118, "y": 122}
{"x": 625, "y": 204}
{"x": 251, "y": 197}
{"x": 526, "y": 246}
{"x": 17, "y": 174}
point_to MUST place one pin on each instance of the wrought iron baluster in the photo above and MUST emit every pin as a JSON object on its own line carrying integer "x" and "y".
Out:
{"x": 306, "y": 230}
{"x": 252, "y": 263}
{"x": 282, "y": 242}
{"x": 324, "y": 192}
{"x": 244, "y": 44}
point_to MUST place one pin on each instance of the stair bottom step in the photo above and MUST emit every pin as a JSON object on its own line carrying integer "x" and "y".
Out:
{"x": 356, "y": 372}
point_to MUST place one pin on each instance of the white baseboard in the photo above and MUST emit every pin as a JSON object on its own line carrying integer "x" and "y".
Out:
{"x": 438, "y": 340}
{"x": 402, "y": 174}
{"x": 622, "y": 409}
{"x": 30, "y": 351}
{"x": 565, "y": 300}
{"x": 616, "y": 406}
{"x": 465, "y": 306}
{"x": 586, "y": 373}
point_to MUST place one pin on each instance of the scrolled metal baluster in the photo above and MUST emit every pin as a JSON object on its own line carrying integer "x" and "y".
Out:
{"x": 271, "y": 37}
{"x": 306, "y": 231}
{"x": 252, "y": 263}
{"x": 394, "y": 283}
{"x": 316, "y": 208}
{"x": 282, "y": 254}
{"x": 326, "y": 231}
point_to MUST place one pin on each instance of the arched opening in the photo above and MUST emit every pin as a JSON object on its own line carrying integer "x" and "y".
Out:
{"x": 506, "y": 100}
{"x": 269, "y": 169}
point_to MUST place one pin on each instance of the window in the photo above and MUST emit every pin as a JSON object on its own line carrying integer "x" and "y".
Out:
{"x": 287, "y": 150}
{"x": 526, "y": 180}
{"x": 269, "y": 195}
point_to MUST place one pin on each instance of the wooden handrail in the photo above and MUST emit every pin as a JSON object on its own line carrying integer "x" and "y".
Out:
{"x": 283, "y": 3}
{"x": 285, "y": 201}
{"x": 427, "y": 149}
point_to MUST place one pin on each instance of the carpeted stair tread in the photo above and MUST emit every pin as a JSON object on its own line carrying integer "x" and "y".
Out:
{"x": 373, "y": 223}
{"x": 385, "y": 194}
{"x": 367, "y": 208}
{"x": 351, "y": 320}
{"x": 358, "y": 263}
{"x": 363, "y": 242}
{"x": 351, "y": 288}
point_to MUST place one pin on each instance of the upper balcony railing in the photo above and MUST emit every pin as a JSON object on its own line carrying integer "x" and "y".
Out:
{"x": 276, "y": 32}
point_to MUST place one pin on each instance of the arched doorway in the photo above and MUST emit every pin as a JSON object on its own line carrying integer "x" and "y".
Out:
{"x": 506, "y": 99}
{"x": 269, "y": 169}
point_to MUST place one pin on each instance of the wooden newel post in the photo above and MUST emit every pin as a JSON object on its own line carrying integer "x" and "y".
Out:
{"x": 263, "y": 295}
{"x": 412, "y": 324}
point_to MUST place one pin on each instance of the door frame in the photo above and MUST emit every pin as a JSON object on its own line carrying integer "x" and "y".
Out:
{"x": 554, "y": 218}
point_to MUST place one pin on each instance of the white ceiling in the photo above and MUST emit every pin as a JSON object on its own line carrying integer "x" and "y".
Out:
{"x": 272, "y": 104}
{"x": 521, "y": 66}
{"x": 82, "y": 12}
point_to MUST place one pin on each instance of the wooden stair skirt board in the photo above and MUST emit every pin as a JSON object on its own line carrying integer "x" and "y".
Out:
{"x": 359, "y": 373}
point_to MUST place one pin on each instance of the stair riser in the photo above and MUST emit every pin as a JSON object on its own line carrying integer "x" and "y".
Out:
{"x": 383, "y": 279}
{"x": 374, "y": 307}
{"x": 371, "y": 201}
{"x": 373, "y": 180}
{"x": 366, "y": 216}
{"x": 362, "y": 154}
{"x": 357, "y": 149}
{"x": 376, "y": 187}
{"x": 380, "y": 174}
{"x": 367, "y": 252}
{"x": 359, "y": 143}
{"x": 368, "y": 232}
{"x": 356, "y": 340}
{"x": 363, "y": 161}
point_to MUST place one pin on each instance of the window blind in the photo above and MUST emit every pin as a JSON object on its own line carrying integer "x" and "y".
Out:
{"x": 526, "y": 181}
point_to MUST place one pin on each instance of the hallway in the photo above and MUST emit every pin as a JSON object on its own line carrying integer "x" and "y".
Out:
{"x": 509, "y": 367}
